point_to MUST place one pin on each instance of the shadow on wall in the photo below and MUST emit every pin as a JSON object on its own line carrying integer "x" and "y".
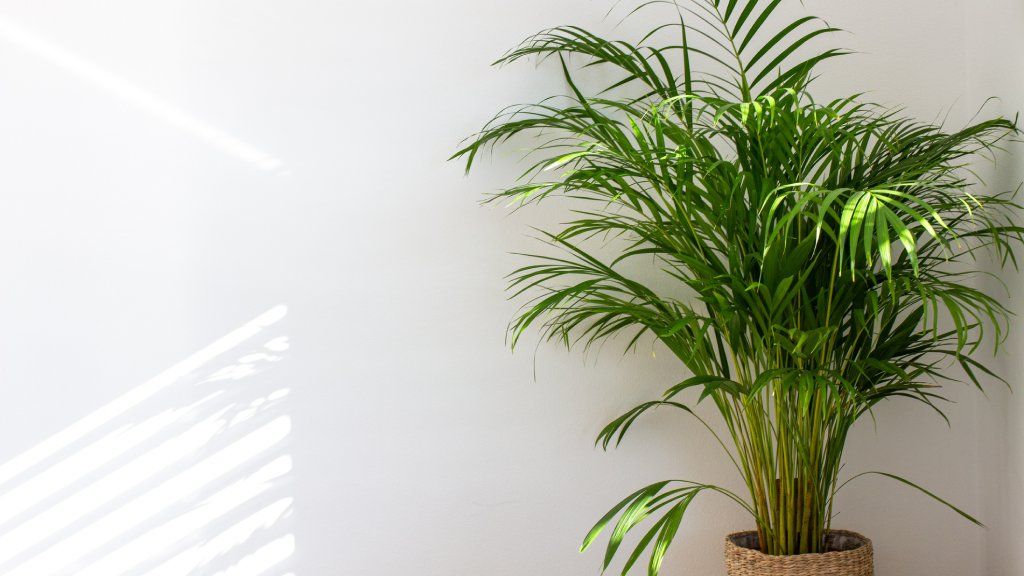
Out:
{"x": 186, "y": 474}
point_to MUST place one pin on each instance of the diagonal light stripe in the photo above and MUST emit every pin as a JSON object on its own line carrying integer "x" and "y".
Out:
{"x": 262, "y": 560}
{"x": 133, "y": 94}
{"x": 101, "y": 492}
{"x": 198, "y": 556}
{"x": 155, "y": 541}
{"x": 154, "y": 501}
{"x": 89, "y": 459}
{"x": 136, "y": 396}
{"x": 243, "y": 531}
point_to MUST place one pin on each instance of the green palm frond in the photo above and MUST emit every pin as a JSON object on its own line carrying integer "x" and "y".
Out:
{"x": 806, "y": 260}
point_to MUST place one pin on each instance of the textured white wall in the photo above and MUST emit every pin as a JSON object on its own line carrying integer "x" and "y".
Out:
{"x": 994, "y": 70}
{"x": 175, "y": 169}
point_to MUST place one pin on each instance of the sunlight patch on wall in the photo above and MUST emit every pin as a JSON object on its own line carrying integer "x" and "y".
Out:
{"x": 187, "y": 473}
{"x": 133, "y": 94}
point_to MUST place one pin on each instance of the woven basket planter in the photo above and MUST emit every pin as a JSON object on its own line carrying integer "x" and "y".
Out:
{"x": 849, "y": 554}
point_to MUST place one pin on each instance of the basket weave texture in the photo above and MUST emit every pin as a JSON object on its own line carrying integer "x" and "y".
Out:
{"x": 849, "y": 554}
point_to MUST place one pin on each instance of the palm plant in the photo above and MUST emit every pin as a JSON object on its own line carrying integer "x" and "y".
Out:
{"x": 821, "y": 250}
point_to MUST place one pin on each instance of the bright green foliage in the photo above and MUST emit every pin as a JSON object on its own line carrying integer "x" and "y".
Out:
{"x": 825, "y": 247}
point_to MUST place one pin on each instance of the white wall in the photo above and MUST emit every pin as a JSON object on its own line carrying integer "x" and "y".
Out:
{"x": 994, "y": 71}
{"x": 175, "y": 169}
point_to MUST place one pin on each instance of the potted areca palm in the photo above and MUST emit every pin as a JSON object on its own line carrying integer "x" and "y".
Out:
{"x": 817, "y": 250}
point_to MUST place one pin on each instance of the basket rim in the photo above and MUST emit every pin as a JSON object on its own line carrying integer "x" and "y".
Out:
{"x": 865, "y": 547}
